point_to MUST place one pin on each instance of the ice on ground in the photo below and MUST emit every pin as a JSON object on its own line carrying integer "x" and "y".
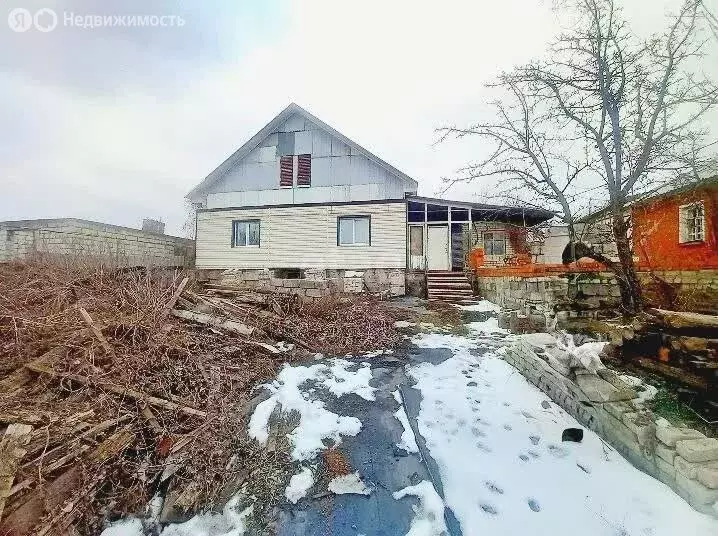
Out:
{"x": 316, "y": 423}
{"x": 407, "y": 441}
{"x": 484, "y": 306}
{"x": 505, "y": 470}
{"x": 231, "y": 522}
{"x": 299, "y": 484}
{"x": 428, "y": 514}
{"x": 348, "y": 484}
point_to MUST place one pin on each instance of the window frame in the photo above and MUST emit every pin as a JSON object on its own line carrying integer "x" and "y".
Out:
{"x": 246, "y": 244}
{"x": 684, "y": 234}
{"x": 493, "y": 240}
{"x": 353, "y": 217}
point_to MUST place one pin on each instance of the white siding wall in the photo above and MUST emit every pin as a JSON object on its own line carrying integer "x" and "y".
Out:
{"x": 303, "y": 237}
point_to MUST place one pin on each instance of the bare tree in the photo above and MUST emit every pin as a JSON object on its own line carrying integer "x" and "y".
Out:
{"x": 189, "y": 226}
{"x": 606, "y": 117}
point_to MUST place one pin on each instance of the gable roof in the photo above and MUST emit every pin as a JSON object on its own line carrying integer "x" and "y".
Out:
{"x": 274, "y": 124}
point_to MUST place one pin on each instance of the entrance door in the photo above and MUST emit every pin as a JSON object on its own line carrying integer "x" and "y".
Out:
{"x": 437, "y": 247}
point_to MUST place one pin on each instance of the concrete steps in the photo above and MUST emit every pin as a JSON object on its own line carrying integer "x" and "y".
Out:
{"x": 448, "y": 286}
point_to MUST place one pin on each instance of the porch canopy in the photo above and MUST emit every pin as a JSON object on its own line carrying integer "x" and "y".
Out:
{"x": 433, "y": 210}
{"x": 438, "y": 235}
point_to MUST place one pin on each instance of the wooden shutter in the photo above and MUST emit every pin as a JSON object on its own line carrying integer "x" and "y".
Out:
{"x": 304, "y": 170}
{"x": 286, "y": 171}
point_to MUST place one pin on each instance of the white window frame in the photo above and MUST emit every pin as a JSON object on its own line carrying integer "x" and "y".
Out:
{"x": 353, "y": 219}
{"x": 688, "y": 232}
{"x": 246, "y": 244}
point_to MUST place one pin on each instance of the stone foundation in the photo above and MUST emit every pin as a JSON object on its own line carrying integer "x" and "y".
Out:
{"x": 416, "y": 283}
{"x": 683, "y": 459}
{"x": 316, "y": 283}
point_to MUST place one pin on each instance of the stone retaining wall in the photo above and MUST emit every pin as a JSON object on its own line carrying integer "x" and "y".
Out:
{"x": 681, "y": 458}
{"x": 82, "y": 239}
{"x": 316, "y": 283}
{"x": 590, "y": 294}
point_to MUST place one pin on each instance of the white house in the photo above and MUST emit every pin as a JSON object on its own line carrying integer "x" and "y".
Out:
{"x": 300, "y": 196}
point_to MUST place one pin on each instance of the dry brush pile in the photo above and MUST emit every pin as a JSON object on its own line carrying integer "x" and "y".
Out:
{"x": 117, "y": 385}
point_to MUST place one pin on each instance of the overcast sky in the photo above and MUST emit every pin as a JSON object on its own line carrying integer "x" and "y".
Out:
{"x": 117, "y": 124}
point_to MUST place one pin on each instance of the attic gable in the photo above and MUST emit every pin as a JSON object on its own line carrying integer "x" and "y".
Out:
{"x": 293, "y": 131}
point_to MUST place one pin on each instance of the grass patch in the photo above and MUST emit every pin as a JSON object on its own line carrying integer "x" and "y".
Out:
{"x": 667, "y": 405}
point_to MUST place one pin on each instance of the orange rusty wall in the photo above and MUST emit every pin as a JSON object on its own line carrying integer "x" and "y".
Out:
{"x": 656, "y": 233}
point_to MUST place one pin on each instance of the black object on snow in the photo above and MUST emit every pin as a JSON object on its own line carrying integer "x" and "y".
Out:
{"x": 572, "y": 434}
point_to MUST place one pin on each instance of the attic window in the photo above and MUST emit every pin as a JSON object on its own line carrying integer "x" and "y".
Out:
{"x": 692, "y": 223}
{"x": 304, "y": 170}
{"x": 286, "y": 172}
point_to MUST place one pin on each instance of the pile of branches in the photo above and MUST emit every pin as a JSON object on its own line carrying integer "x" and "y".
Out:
{"x": 120, "y": 385}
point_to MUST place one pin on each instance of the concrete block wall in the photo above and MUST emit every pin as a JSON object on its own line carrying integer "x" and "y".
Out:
{"x": 682, "y": 458}
{"x": 590, "y": 294}
{"x": 695, "y": 290}
{"x": 82, "y": 239}
{"x": 523, "y": 293}
{"x": 317, "y": 283}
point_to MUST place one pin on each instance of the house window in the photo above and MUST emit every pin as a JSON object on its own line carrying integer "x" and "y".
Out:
{"x": 416, "y": 240}
{"x": 692, "y": 222}
{"x": 416, "y": 212}
{"x": 245, "y": 233}
{"x": 494, "y": 244}
{"x": 286, "y": 172}
{"x": 354, "y": 231}
{"x": 304, "y": 170}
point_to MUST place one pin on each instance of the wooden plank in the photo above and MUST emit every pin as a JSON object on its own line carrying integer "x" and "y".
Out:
{"x": 97, "y": 333}
{"x": 12, "y": 450}
{"x": 121, "y": 391}
{"x": 56, "y": 494}
{"x": 173, "y": 300}
{"x": 23, "y": 376}
{"x": 210, "y": 320}
{"x": 681, "y": 319}
{"x": 673, "y": 372}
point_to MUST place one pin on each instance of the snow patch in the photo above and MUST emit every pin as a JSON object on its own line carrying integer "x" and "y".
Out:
{"x": 407, "y": 441}
{"x": 428, "y": 514}
{"x": 348, "y": 484}
{"x": 645, "y": 391}
{"x": 403, "y": 324}
{"x": 487, "y": 327}
{"x": 497, "y": 447}
{"x": 484, "y": 306}
{"x": 125, "y": 527}
{"x": 316, "y": 423}
{"x": 299, "y": 484}
{"x": 231, "y": 522}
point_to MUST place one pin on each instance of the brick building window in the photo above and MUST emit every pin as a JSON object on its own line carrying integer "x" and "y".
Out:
{"x": 494, "y": 244}
{"x": 692, "y": 223}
